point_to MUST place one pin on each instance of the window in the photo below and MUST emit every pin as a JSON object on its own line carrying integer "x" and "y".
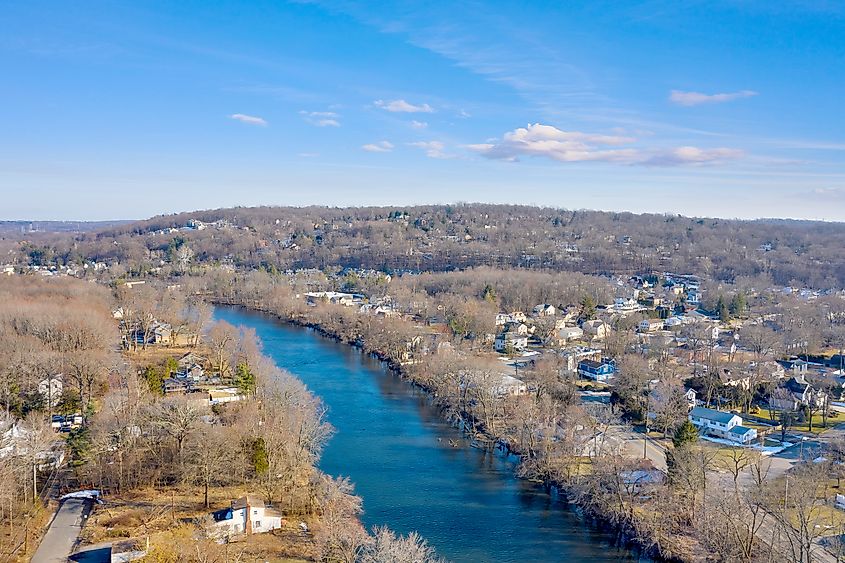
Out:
{"x": 255, "y": 512}
{"x": 258, "y": 523}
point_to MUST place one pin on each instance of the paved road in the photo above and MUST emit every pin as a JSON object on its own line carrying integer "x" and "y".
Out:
{"x": 60, "y": 539}
{"x": 654, "y": 451}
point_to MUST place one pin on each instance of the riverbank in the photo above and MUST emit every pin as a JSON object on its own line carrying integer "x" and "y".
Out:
{"x": 627, "y": 534}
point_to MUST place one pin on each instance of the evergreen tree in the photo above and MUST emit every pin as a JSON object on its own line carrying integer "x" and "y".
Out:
{"x": 722, "y": 309}
{"x": 489, "y": 293}
{"x": 244, "y": 379}
{"x": 154, "y": 379}
{"x": 737, "y": 307}
{"x": 686, "y": 434}
{"x": 588, "y": 307}
{"x": 260, "y": 463}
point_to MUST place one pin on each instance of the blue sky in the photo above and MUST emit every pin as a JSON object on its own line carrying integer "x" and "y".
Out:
{"x": 129, "y": 109}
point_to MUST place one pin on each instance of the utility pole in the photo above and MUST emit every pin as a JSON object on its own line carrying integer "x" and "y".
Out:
{"x": 645, "y": 436}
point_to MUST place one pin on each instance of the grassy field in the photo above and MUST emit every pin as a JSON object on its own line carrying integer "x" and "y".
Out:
{"x": 169, "y": 517}
{"x": 818, "y": 426}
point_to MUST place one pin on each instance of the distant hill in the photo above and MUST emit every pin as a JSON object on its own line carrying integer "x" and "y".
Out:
{"x": 27, "y": 227}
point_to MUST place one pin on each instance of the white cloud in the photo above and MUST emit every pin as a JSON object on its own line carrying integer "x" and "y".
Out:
{"x": 419, "y": 124}
{"x": 321, "y": 118}
{"x": 551, "y": 142}
{"x": 249, "y": 119}
{"x": 697, "y": 98}
{"x": 575, "y": 146}
{"x": 401, "y": 106}
{"x": 433, "y": 149}
{"x": 381, "y": 146}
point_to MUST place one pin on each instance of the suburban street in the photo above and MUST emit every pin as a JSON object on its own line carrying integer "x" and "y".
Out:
{"x": 60, "y": 539}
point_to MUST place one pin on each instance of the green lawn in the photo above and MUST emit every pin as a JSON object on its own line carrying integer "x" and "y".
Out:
{"x": 818, "y": 427}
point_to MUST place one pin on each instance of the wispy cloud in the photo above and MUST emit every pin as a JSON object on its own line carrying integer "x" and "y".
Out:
{"x": 249, "y": 119}
{"x": 829, "y": 194}
{"x": 433, "y": 149}
{"x": 381, "y": 146}
{"x": 401, "y": 106}
{"x": 574, "y": 146}
{"x": 693, "y": 156}
{"x": 321, "y": 118}
{"x": 419, "y": 124}
{"x": 683, "y": 98}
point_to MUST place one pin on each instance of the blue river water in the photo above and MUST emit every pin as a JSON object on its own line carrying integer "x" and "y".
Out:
{"x": 393, "y": 444}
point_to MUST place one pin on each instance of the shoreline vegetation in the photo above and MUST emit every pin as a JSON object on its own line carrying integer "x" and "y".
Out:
{"x": 629, "y": 533}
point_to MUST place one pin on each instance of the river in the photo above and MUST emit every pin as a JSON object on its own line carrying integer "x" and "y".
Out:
{"x": 394, "y": 446}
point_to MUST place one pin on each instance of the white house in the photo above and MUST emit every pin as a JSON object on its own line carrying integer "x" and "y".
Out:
{"x": 722, "y": 425}
{"x": 623, "y": 305}
{"x": 596, "y": 329}
{"x": 511, "y": 340}
{"x": 650, "y": 325}
{"x": 568, "y": 333}
{"x": 247, "y": 515}
{"x": 544, "y": 310}
{"x": 518, "y": 328}
{"x": 691, "y": 397}
{"x": 510, "y": 385}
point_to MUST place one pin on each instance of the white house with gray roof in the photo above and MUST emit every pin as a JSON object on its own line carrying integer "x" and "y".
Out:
{"x": 719, "y": 424}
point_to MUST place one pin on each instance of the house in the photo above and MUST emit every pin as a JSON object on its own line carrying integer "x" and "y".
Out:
{"x": 158, "y": 333}
{"x": 510, "y": 341}
{"x": 735, "y": 378}
{"x": 51, "y": 390}
{"x": 623, "y": 305}
{"x": 597, "y": 370}
{"x": 569, "y": 333}
{"x": 693, "y": 297}
{"x": 172, "y": 385}
{"x": 247, "y": 515}
{"x": 519, "y": 328}
{"x": 796, "y": 393}
{"x": 725, "y": 425}
{"x": 224, "y": 395}
{"x": 512, "y": 386}
{"x": 518, "y": 317}
{"x": 650, "y": 325}
{"x": 692, "y": 398}
{"x": 190, "y": 367}
{"x": 573, "y": 356}
{"x": 333, "y": 297}
{"x": 544, "y": 310}
{"x": 595, "y": 329}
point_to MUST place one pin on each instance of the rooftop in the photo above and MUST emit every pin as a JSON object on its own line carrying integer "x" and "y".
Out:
{"x": 711, "y": 414}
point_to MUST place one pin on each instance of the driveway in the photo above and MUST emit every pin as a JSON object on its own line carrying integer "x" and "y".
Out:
{"x": 61, "y": 536}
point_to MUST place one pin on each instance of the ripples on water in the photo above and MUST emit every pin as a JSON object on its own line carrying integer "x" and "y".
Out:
{"x": 395, "y": 447}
